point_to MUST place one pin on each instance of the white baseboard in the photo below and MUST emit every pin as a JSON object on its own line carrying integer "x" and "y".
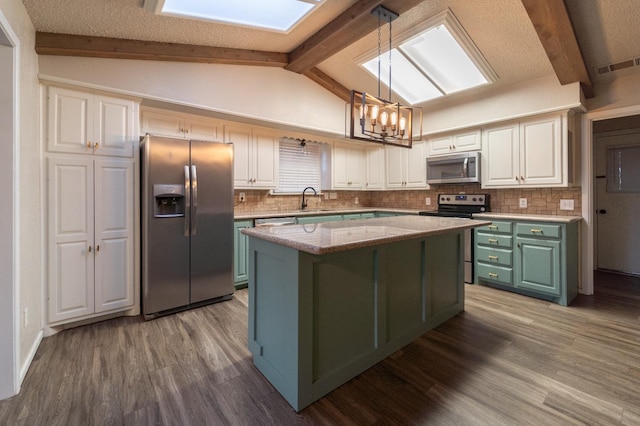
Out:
{"x": 32, "y": 354}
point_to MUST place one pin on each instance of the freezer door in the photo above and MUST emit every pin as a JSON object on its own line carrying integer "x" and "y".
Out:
{"x": 211, "y": 220}
{"x": 165, "y": 247}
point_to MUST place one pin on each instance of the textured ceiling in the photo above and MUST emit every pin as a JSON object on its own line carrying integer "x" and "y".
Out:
{"x": 128, "y": 19}
{"x": 607, "y": 31}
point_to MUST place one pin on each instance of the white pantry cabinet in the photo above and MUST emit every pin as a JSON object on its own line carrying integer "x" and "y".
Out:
{"x": 406, "y": 168}
{"x": 87, "y": 123}
{"x": 182, "y": 126}
{"x": 454, "y": 142}
{"x": 528, "y": 153}
{"x": 91, "y": 236}
{"x": 255, "y": 156}
{"x": 348, "y": 166}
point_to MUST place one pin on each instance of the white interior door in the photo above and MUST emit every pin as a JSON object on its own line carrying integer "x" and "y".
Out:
{"x": 617, "y": 203}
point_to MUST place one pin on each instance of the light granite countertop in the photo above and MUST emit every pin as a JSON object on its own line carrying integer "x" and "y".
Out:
{"x": 330, "y": 237}
{"x": 529, "y": 217}
{"x": 318, "y": 212}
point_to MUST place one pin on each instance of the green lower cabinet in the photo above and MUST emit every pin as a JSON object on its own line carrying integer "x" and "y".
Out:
{"x": 538, "y": 265}
{"x": 303, "y": 220}
{"x": 387, "y": 214}
{"x": 241, "y": 253}
{"x": 542, "y": 263}
{"x": 351, "y": 216}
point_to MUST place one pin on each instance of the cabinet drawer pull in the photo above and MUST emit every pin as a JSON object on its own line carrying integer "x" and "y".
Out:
{"x": 492, "y": 226}
{"x": 536, "y": 231}
{"x": 493, "y": 240}
{"x": 491, "y": 257}
{"x": 89, "y": 144}
{"x": 492, "y": 275}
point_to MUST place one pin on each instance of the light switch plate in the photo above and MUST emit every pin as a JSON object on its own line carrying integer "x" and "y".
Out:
{"x": 567, "y": 205}
{"x": 523, "y": 203}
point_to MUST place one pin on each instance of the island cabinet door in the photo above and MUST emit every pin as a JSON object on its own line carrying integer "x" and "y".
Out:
{"x": 401, "y": 272}
{"x": 538, "y": 265}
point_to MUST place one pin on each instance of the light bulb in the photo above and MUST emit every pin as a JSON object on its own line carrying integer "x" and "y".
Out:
{"x": 394, "y": 118}
{"x": 403, "y": 123}
{"x": 374, "y": 114}
{"x": 384, "y": 117}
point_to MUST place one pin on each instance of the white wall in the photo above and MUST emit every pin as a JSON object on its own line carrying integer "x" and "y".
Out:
{"x": 504, "y": 103}
{"x": 25, "y": 289}
{"x": 263, "y": 93}
{"x": 623, "y": 92}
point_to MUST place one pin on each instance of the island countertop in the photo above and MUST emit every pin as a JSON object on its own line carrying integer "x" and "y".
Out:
{"x": 329, "y": 237}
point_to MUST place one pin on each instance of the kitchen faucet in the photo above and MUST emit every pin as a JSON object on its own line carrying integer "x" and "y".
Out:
{"x": 304, "y": 204}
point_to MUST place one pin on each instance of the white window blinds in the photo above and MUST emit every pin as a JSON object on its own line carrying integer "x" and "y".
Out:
{"x": 299, "y": 165}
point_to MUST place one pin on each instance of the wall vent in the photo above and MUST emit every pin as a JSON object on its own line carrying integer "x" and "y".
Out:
{"x": 605, "y": 69}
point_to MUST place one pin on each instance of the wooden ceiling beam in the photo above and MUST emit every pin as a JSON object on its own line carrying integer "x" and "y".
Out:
{"x": 555, "y": 31}
{"x": 104, "y": 47}
{"x": 328, "y": 83}
{"x": 355, "y": 23}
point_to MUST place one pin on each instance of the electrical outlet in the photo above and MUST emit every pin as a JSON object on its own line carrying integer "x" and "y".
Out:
{"x": 357, "y": 200}
{"x": 567, "y": 205}
{"x": 242, "y": 199}
{"x": 523, "y": 203}
{"x": 326, "y": 195}
{"x": 333, "y": 195}
{"x": 427, "y": 201}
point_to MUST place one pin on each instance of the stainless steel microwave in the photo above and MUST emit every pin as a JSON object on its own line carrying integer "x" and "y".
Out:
{"x": 454, "y": 168}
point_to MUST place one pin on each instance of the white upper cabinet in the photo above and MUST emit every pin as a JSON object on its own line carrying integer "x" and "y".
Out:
{"x": 374, "y": 168}
{"x": 86, "y": 123}
{"x": 182, "y": 126}
{"x": 451, "y": 143}
{"x": 255, "y": 156}
{"x": 528, "y": 153}
{"x": 348, "y": 166}
{"x": 406, "y": 168}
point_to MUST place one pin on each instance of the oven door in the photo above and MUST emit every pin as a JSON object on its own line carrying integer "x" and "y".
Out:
{"x": 468, "y": 256}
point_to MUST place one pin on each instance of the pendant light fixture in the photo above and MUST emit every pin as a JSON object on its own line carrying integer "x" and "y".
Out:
{"x": 373, "y": 118}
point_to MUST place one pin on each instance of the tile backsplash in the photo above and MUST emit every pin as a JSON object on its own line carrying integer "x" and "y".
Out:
{"x": 539, "y": 200}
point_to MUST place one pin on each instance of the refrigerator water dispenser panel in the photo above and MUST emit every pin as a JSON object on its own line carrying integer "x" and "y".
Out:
{"x": 169, "y": 200}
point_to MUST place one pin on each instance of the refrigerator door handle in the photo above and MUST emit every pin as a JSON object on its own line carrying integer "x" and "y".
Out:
{"x": 187, "y": 194}
{"x": 194, "y": 203}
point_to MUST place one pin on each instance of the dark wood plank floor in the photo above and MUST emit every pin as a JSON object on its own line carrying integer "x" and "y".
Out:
{"x": 507, "y": 359}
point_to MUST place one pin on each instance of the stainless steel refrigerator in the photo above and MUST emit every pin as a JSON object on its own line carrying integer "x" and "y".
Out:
{"x": 187, "y": 224}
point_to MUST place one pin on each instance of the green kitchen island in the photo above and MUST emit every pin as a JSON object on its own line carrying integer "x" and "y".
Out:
{"x": 327, "y": 301}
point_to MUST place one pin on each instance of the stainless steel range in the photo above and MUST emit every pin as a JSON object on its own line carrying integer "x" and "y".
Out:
{"x": 464, "y": 206}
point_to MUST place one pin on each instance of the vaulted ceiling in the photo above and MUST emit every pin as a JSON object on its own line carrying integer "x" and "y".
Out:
{"x": 521, "y": 39}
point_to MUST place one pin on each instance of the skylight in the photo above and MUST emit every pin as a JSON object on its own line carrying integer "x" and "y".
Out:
{"x": 275, "y": 15}
{"x": 436, "y": 62}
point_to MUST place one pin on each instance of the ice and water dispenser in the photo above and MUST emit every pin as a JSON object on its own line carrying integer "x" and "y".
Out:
{"x": 169, "y": 200}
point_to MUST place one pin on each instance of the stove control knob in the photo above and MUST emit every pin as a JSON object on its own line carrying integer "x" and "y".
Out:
{"x": 448, "y": 199}
{"x": 481, "y": 199}
{"x": 475, "y": 199}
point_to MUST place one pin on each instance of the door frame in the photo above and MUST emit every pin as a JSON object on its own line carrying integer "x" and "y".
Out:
{"x": 9, "y": 317}
{"x": 588, "y": 261}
